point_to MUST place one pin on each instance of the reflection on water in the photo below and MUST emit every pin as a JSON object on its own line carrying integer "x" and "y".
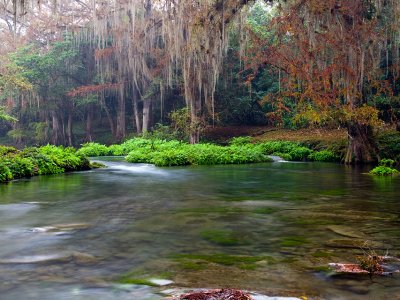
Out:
{"x": 270, "y": 228}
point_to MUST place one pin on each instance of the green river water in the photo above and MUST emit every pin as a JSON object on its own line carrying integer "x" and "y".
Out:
{"x": 270, "y": 228}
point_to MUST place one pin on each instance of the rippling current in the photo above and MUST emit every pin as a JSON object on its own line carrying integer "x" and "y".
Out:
{"x": 270, "y": 228}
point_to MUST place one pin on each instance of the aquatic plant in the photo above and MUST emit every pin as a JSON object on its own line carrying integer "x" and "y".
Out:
{"x": 385, "y": 168}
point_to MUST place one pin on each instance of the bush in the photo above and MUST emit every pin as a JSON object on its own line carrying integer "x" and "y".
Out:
{"x": 174, "y": 153}
{"x": 94, "y": 149}
{"x": 385, "y": 168}
{"x": 240, "y": 141}
{"x": 324, "y": 156}
{"x": 291, "y": 150}
{"x": 40, "y": 161}
{"x": 5, "y": 173}
{"x": 4, "y": 150}
{"x": 383, "y": 171}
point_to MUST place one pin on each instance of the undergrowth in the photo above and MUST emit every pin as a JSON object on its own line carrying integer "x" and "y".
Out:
{"x": 32, "y": 161}
{"x": 177, "y": 153}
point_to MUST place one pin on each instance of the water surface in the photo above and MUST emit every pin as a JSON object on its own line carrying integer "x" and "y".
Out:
{"x": 270, "y": 228}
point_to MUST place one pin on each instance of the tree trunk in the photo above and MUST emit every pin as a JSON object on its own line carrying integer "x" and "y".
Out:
{"x": 121, "y": 118}
{"x": 69, "y": 130}
{"x": 398, "y": 125}
{"x": 195, "y": 120}
{"x": 109, "y": 115}
{"x": 136, "y": 114}
{"x": 146, "y": 114}
{"x": 55, "y": 137}
{"x": 89, "y": 124}
{"x": 361, "y": 146}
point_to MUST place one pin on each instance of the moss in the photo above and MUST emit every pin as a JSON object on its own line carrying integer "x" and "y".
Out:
{"x": 293, "y": 241}
{"x": 223, "y": 237}
{"x": 96, "y": 165}
{"x": 265, "y": 210}
{"x": 140, "y": 278}
{"x": 322, "y": 254}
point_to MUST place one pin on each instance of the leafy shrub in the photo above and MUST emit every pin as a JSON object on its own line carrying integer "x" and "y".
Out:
{"x": 65, "y": 158}
{"x": 385, "y": 162}
{"x": 293, "y": 150}
{"x": 240, "y": 141}
{"x": 4, "y": 150}
{"x": 324, "y": 156}
{"x": 383, "y": 171}
{"x": 43, "y": 164}
{"x": 94, "y": 149}
{"x": 300, "y": 153}
{"x": 165, "y": 158}
{"x": 5, "y": 173}
{"x": 40, "y": 161}
{"x": 174, "y": 153}
{"x": 19, "y": 166}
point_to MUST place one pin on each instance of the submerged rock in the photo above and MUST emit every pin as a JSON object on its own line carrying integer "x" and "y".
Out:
{"x": 355, "y": 243}
{"x": 346, "y": 231}
{"x": 37, "y": 259}
{"x": 61, "y": 227}
{"x": 160, "y": 282}
{"x": 76, "y": 257}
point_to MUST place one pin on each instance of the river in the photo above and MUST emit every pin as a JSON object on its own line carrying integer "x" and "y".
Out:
{"x": 270, "y": 228}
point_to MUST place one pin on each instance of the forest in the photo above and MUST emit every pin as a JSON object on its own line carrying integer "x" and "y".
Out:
{"x": 251, "y": 146}
{"x": 81, "y": 72}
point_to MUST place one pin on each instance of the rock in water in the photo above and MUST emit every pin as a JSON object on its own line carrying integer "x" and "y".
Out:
{"x": 346, "y": 231}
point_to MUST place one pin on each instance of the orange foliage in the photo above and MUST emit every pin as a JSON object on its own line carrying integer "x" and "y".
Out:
{"x": 90, "y": 89}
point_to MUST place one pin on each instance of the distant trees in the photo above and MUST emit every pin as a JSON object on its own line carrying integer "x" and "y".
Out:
{"x": 337, "y": 58}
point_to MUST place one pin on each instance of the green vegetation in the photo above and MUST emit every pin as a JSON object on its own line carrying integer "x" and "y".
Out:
{"x": 177, "y": 153}
{"x": 293, "y": 241}
{"x": 15, "y": 164}
{"x": 385, "y": 168}
{"x": 224, "y": 237}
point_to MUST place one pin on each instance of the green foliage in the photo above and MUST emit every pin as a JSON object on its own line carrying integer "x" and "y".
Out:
{"x": 33, "y": 161}
{"x": 5, "y": 172}
{"x": 174, "y": 153}
{"x": 239, "y": 141}
{"x": 383, "y": 171}
{"x": 386, "y": 162}
{"x": 94, "y": 149}
{"x": 286, "y": 150}
{"x": 4, "y": 150}
{"x": 223, "y": 237}
{"x": 385, "y": 168}
{"x": 324, "y": 156}
{"x": 5, "y": 116}
{"x": 389, "y": 145}
{"x": 65, "y": 158}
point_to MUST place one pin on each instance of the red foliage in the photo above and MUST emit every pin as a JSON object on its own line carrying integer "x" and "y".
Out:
{"x": 90, "y": 89}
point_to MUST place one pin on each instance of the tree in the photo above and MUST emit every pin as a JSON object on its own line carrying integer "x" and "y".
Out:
{"x": 331, "y": 53}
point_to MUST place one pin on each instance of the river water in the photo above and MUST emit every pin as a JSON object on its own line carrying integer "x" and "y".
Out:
{"x": 270, "y": 228}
